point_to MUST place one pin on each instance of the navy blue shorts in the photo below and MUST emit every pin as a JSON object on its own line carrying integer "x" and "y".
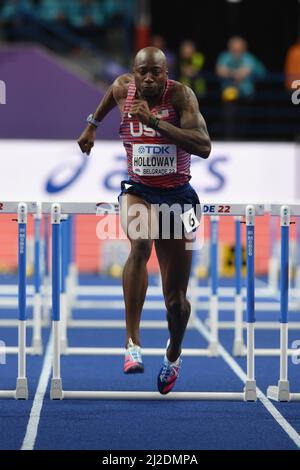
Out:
{"x": 179, "y": 200}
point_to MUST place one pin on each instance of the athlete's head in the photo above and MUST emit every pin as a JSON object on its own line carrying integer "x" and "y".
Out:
{"x": 237, "y": 46}
{"x": 150, "y": 72}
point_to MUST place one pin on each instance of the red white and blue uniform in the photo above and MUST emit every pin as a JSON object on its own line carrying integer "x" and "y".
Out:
{"x": 153, "y": 159}
{"x": 158, "y": 170}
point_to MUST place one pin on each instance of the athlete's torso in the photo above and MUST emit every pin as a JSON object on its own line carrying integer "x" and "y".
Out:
{"x": 152, "y": 159}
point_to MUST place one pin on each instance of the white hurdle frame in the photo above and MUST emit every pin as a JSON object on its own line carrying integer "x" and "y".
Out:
{"x": 35, "y": 290}
{"x": 56, "y": 390}
{"x": 281, "y": 391}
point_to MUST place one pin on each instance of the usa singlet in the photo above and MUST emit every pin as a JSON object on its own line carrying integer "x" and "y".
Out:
{"x": 153, "y": 159}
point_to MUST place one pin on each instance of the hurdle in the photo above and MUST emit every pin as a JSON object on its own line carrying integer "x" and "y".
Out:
{"x": 56, "y": 390}
{"x": 195, "y": 293}
{"x": 281, "y": 392}
{"x": 21, "y": 391}
{"x": 212, "y": 305}
{"x": 65, "y": 322}
{"x": 35, "y": 291}
{"x": 238, "y": 325}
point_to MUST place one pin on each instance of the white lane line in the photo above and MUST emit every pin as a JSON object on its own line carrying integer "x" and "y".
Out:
{"x": 286, "y": 426}
{"x": 34, "y": 419}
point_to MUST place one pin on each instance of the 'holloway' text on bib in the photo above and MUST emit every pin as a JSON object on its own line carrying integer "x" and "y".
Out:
{"x": 154, "y": 159}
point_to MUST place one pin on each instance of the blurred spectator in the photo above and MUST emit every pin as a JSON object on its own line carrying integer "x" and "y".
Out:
{"x": 292, "y": 64}
{"x": 87, "y": 18}
{"x": 85, "y": 13}
{"x": 191, "y": 63}
{"x": 53, "y": 10}
{"x": 12, "y": 18}
{"x": 159, "y": 41}
{"x": 238, "y": 70}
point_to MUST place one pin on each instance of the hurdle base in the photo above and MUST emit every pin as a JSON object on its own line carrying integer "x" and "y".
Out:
{"x": 250, "y": 390}
{"x": 239, "y": 348}
{"x": 280, "y": 392}
{"x": 213, "y": 349}
{"x": 22, "y": 389}
{"x": 37, "y": 347}
{"x": 56, "y": 392}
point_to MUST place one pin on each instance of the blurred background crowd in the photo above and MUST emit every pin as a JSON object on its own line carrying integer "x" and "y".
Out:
{"x": 242, "y": 74}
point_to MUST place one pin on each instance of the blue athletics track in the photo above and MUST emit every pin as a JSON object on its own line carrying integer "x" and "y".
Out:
{"x": 40, "y": 423}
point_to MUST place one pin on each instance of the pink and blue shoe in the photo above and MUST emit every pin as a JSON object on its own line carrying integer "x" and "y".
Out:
{"x": 168, "y": 375}
{"x": 133, "y": 363}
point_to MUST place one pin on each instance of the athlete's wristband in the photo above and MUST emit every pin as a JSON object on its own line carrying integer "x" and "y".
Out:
{"x": 153, "y": 122}
{"x": 91, "y": 120}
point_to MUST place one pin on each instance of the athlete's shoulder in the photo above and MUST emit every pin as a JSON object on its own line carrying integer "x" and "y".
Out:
{"x": 121, "y": 84}
{"x": 180, "y": 94}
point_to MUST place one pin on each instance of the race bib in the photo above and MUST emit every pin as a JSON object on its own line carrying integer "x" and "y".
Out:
{"x": 190, "y": 220}
{"x": 154, "y": 159}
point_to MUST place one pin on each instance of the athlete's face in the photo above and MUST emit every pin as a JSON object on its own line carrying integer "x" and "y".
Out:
{"x": 150, "y": 74}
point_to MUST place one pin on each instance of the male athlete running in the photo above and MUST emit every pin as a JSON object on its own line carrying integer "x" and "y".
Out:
{"x": 161, "y": 127}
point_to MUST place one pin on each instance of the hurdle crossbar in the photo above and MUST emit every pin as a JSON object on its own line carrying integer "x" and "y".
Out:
{"x": 125, "y": 395}
{"x": 99, "y": 208}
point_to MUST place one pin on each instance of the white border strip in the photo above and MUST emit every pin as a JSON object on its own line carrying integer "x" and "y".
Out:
{"x": 34, "y": 419}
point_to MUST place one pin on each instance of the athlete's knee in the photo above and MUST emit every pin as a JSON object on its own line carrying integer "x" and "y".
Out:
{"x": 178, "y": 305}
{"x": 140, "y": 251}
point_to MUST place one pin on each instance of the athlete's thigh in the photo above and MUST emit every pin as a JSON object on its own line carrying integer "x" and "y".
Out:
{"x": 175, "y": 260}
{"x": 138, "y": 218}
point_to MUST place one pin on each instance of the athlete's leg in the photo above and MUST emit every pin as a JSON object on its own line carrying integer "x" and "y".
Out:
{"x": 175, "y": 265}
{"x": 135, "y": 276}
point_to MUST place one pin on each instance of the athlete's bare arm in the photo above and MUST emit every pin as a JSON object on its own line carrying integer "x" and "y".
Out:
{"x": 115, "y": 95}
{"x": 192, "y": 136}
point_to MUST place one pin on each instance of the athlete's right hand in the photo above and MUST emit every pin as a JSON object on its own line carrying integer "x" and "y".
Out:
{"x": 87, "y": 139}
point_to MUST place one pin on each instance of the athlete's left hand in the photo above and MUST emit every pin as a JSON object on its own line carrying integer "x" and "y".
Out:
{"x": 141, "y": 110}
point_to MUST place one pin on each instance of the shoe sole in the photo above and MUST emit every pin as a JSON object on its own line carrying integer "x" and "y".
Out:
{"x": 165, "y": 393}
{"x": 134, "y": 370}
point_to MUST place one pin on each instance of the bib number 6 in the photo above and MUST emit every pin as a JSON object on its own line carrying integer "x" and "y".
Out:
{"x": 192, "y": 221}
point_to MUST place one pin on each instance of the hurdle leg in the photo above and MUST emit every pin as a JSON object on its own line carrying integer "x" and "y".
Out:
{"x": 64, "y": 296}
{"x": 56, "y": 382}
{"x": 72, "y": 276}
{"x": 213, "y": 310}
{"x": 63, "y": 322}
{"x": 37, "y": 301}
{"x": 37, "y": 347}
{"x": 250, "y": 385}
{"x": 46, "y": 277}
{"x": 238, "y": 342}
{"x": 213, "y": 314}
{"x": 273, "y": 265}
{"x": 22, "y": 386}
{"x": 192, "y": 296}
{"x": 281, "y": 392}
